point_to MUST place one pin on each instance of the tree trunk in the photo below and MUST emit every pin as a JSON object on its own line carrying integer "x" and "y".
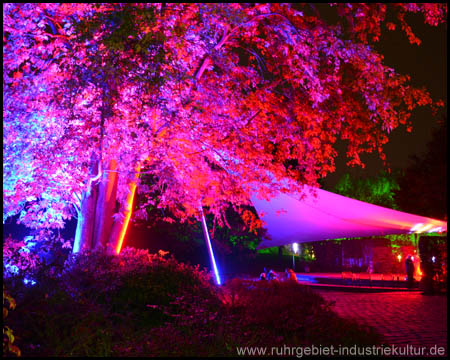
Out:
{"x": 86, "y": 215}
{"x": 106, "y": 203}
{"x": 280, "y": 253}
{"x": 120, "y": 225}
{"x": 86, "y": 219}
{"x": 96, "y": 228}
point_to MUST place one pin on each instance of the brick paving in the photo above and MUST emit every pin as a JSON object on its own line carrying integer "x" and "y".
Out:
{"x": 404, "y": 318}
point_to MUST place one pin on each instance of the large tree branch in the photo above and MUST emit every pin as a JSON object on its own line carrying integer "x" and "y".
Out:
{"x": 226, "y": 35}
{"x": 207, "y": 59}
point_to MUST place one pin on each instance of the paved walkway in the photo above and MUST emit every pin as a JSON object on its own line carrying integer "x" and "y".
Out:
{"x": 404, "y": 318}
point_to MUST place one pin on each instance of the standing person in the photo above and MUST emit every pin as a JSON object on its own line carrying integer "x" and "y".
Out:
{"x": 427, "y": 278}
{"x": 409, "y": 271}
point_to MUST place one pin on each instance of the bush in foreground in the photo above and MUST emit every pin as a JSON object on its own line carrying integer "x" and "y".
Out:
{"x": 138, "y": 304}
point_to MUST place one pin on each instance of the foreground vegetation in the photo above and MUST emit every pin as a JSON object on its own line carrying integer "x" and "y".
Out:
{"x": 139, "y": 304}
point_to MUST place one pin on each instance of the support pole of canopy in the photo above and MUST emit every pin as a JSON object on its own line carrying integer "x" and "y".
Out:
{"x": 210, "y": 249}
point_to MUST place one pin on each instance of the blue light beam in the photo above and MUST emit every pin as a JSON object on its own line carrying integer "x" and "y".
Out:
{"x": 210, "y": 249}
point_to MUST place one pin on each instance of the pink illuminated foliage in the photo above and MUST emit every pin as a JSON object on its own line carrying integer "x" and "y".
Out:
{"x": 212, "y": 99}
{"x": 25, "y": 257}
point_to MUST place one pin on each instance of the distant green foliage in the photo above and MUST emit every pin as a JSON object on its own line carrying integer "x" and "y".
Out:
{"x": 307, "y": 252}
{"x": 379, "y": 190}
{"x": 272, "y": 250}
{"x": 403, "y": 239}
{"x": 396, "y": 240}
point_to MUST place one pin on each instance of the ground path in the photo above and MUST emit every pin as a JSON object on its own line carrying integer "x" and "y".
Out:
{"x": 404, "y": 318}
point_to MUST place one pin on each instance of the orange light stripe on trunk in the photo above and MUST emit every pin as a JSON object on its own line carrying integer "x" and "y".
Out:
{"x": 129, "y": 210}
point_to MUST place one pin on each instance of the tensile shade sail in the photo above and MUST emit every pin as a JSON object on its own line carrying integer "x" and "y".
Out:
{"x": 323, "y": 215}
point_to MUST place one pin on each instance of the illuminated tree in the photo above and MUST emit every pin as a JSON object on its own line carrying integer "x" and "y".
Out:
{"x": 154, "y": 223}
{"x": 216, "y": 101}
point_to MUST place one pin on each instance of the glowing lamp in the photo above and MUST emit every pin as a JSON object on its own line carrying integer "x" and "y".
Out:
{"x": 295, "y": 249}
{"x": 426, "y": 228}
{"x": 412, "y": 258}
{"x": 399, "y": 257}
{"x": 418, "y": 273}
{"x": 433, "y": 259}
{"x": 416, "y": 227}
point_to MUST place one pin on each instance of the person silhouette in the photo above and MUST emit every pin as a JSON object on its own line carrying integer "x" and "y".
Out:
{"x": 271, "y": 275}
{"x": 291, "y": 275}
{"x": 409, "y": 264}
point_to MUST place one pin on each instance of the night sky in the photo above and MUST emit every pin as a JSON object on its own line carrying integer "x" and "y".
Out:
{"x": 426, "y": 64}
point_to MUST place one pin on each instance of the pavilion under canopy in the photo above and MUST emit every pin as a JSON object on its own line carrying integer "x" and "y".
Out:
{"x": 325, "y": 215}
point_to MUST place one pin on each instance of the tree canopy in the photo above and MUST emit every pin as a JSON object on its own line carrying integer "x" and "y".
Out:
{"x": 216, "y": 101}
{"x": 379, "y": 190}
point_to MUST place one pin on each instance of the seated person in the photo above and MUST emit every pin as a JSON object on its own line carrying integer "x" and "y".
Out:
{"x": 271, "y": 275}
{"x": 292, "y": 275}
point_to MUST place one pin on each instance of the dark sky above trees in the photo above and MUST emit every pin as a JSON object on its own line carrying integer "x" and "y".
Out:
{"x": 427, "y": 66}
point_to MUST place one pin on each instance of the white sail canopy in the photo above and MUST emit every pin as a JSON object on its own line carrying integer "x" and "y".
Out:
{"x": 326, "y": 215}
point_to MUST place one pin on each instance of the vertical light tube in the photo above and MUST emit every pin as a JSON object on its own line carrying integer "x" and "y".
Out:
{"x": 119, "y": 227}
{"x": 211, "y": 253}
{"x": 128, "y": 211}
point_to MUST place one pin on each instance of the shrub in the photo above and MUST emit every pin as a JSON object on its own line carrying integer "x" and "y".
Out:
{"x": 139, "y": 304}
{"x": 253, "y": 313}
{"x": 98, "y": 300}
{"x": 287, "y": 313}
